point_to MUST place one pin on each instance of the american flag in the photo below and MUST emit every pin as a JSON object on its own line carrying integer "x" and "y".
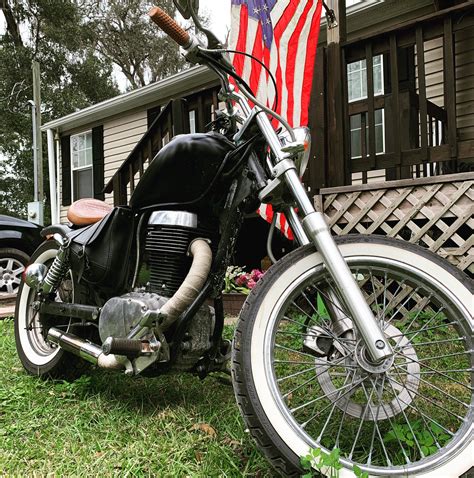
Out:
{"x": 283, "y": 35}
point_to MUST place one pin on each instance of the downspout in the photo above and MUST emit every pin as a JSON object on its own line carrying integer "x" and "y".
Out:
{"x": 58, "y": 176}
{"x": 52, "y": 176}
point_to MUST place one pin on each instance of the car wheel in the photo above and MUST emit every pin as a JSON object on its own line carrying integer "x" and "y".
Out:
{"x": 12, "y": 265}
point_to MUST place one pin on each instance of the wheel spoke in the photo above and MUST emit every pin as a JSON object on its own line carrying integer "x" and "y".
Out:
{"x": 436, "y": 388}
{"x": 315, "y": 400}
{"x": 433, "y": 402}
{"x": 312, "y": 378}
{"x": 407, "y": 458}
{"x": 410, "y": 296}
{"x": 439, "y": 372}
{"x": 321, "y": 433}
{"x": 415, "y": 439}
{"x": 327, "y": 406}
{"x": 296, "y": 374}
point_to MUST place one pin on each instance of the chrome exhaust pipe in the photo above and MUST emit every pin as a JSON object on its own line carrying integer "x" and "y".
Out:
{"x": 86, "y": 350}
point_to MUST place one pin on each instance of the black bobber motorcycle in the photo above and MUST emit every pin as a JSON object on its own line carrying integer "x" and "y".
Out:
{"x": 342, "y": 344}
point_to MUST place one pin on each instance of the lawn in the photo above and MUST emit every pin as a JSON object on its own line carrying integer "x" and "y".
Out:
{"x": 108, "y": 425}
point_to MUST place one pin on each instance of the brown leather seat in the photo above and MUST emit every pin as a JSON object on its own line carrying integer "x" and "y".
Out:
{"x": 87, "y": 211}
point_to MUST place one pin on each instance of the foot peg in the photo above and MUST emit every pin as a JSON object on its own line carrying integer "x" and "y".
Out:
{"x": 129, "y": 347}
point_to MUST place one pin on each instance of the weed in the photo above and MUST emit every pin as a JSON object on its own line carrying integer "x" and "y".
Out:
{"x": 329, "y": 462}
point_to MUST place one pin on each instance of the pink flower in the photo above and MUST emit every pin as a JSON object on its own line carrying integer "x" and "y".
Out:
{"x": 256, "y": 275}
{"x": 251, "y": 284}
{"x": 241, "y": 280}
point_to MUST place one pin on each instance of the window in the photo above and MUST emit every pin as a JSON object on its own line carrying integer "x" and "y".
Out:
{"x": 357, "y": 78}
{"x": 357, "y": 91}
{"x": 81, "y": 166}
{"x": 356, "y": 133}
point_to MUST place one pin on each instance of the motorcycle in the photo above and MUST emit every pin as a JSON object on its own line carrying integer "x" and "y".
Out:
{"x": 360, "y": 343}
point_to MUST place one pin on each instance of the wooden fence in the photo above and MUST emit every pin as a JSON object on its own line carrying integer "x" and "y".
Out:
{"x": 436, "y": 213}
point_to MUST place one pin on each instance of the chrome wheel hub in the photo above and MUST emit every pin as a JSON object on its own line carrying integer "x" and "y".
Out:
{"x": 10, "y": 275}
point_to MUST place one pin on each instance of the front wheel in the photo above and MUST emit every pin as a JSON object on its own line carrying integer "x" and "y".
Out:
{"x": 303, "y": 379}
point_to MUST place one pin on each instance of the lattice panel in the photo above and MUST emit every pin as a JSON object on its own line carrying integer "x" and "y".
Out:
{"x": 438, "y": 216}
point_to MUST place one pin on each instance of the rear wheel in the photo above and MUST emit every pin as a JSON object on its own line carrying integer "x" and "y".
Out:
{"x": 39, "y": 356}
{"x": 303, "y": 379}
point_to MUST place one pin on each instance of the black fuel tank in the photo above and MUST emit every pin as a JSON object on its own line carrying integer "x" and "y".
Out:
{"x": 182, "y": 170}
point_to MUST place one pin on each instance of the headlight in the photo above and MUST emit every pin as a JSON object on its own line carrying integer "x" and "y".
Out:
{"x": 301, "y": 148}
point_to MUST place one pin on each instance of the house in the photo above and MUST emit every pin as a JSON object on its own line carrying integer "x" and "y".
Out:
{"x": 392, "y": 109}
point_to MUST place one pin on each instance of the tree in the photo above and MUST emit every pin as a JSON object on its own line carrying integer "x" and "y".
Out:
{"x": 73, "y": 76}
{"x": 124, "y": 35}
{"x": 77, "y": 43}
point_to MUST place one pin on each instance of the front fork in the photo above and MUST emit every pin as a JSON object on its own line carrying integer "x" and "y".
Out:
{"x": 314, "y": 228}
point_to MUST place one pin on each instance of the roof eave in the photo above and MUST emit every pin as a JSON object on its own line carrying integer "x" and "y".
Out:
{"x": 183, "y": 81}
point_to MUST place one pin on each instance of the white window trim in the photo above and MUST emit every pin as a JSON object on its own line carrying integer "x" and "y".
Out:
{"x": 382, "y": 72}
{"x": 383, "y": 136}
{"x": 81, "y": 168}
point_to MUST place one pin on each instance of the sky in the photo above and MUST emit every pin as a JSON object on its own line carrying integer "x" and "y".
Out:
{"x": 219, "y": 14}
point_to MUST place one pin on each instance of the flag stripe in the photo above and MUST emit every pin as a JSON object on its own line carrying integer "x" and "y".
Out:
{"x": 312, "y": 44}
{"x": 283, "y": 35}
{"x": 292, "y": 70}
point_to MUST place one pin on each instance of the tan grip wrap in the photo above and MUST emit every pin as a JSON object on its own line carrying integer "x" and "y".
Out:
{"x": 169, "y": 26}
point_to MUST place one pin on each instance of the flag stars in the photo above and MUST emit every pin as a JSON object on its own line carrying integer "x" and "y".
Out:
{"x": 260, "y": 10}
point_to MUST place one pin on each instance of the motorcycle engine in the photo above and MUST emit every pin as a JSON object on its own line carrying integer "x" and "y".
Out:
{"x": 168, "y": 236}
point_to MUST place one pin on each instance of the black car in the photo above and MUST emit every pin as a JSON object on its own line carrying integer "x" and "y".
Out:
{"x": 18, "y": 240}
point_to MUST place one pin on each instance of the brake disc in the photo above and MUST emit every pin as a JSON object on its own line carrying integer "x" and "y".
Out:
{"x": 403, "y": 367}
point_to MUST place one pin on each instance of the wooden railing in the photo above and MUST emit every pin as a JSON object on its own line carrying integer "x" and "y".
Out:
{"x": 419, "y": 136}
{"x": 174, "y": 118}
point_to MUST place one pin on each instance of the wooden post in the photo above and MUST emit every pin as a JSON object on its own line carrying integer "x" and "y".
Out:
{"x": 338, "y": 167}
{"x": 317, "y": 125}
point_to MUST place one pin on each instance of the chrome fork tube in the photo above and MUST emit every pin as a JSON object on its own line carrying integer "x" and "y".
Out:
{"x": 314, "y": 227}
{"x": 318, "y": 231}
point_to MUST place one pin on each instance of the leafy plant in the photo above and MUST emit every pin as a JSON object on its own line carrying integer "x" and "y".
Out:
{"x": 416, "y": 437}
{"x": 330, "y": 462}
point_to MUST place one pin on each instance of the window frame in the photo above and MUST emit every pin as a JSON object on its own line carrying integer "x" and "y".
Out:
{"x": 382, "y": 124}
{"x": 81, "y": 168}
{"x": 382, "y": 75}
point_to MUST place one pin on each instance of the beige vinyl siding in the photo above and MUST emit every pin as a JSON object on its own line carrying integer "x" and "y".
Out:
{"x": 121, "y": 134}
{"x": 120, "y": 137}
{"x": 464, "y": 50}
{"x": 375, "y": 176}
{"x": 63, "y": 210}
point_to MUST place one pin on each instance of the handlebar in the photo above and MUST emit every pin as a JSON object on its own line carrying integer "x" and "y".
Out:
{"x": 170, "y": 27}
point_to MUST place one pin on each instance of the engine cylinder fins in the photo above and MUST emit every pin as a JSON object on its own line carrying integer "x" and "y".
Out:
{"x": 167, "y": 245}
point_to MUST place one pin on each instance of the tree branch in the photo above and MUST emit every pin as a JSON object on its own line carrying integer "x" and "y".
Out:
{"x": 12, "y": 24}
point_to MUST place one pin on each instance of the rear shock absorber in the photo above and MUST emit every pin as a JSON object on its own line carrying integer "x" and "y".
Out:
{"x": 58, "y": 268}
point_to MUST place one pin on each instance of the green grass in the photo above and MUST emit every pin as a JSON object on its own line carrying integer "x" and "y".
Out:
{"x": 106, "y": 424}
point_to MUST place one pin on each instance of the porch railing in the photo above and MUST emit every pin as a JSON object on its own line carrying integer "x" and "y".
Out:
{"x": 420, "y": 136}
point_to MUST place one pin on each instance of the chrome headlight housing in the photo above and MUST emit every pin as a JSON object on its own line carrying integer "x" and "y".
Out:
{"x": 299, "y": 149}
